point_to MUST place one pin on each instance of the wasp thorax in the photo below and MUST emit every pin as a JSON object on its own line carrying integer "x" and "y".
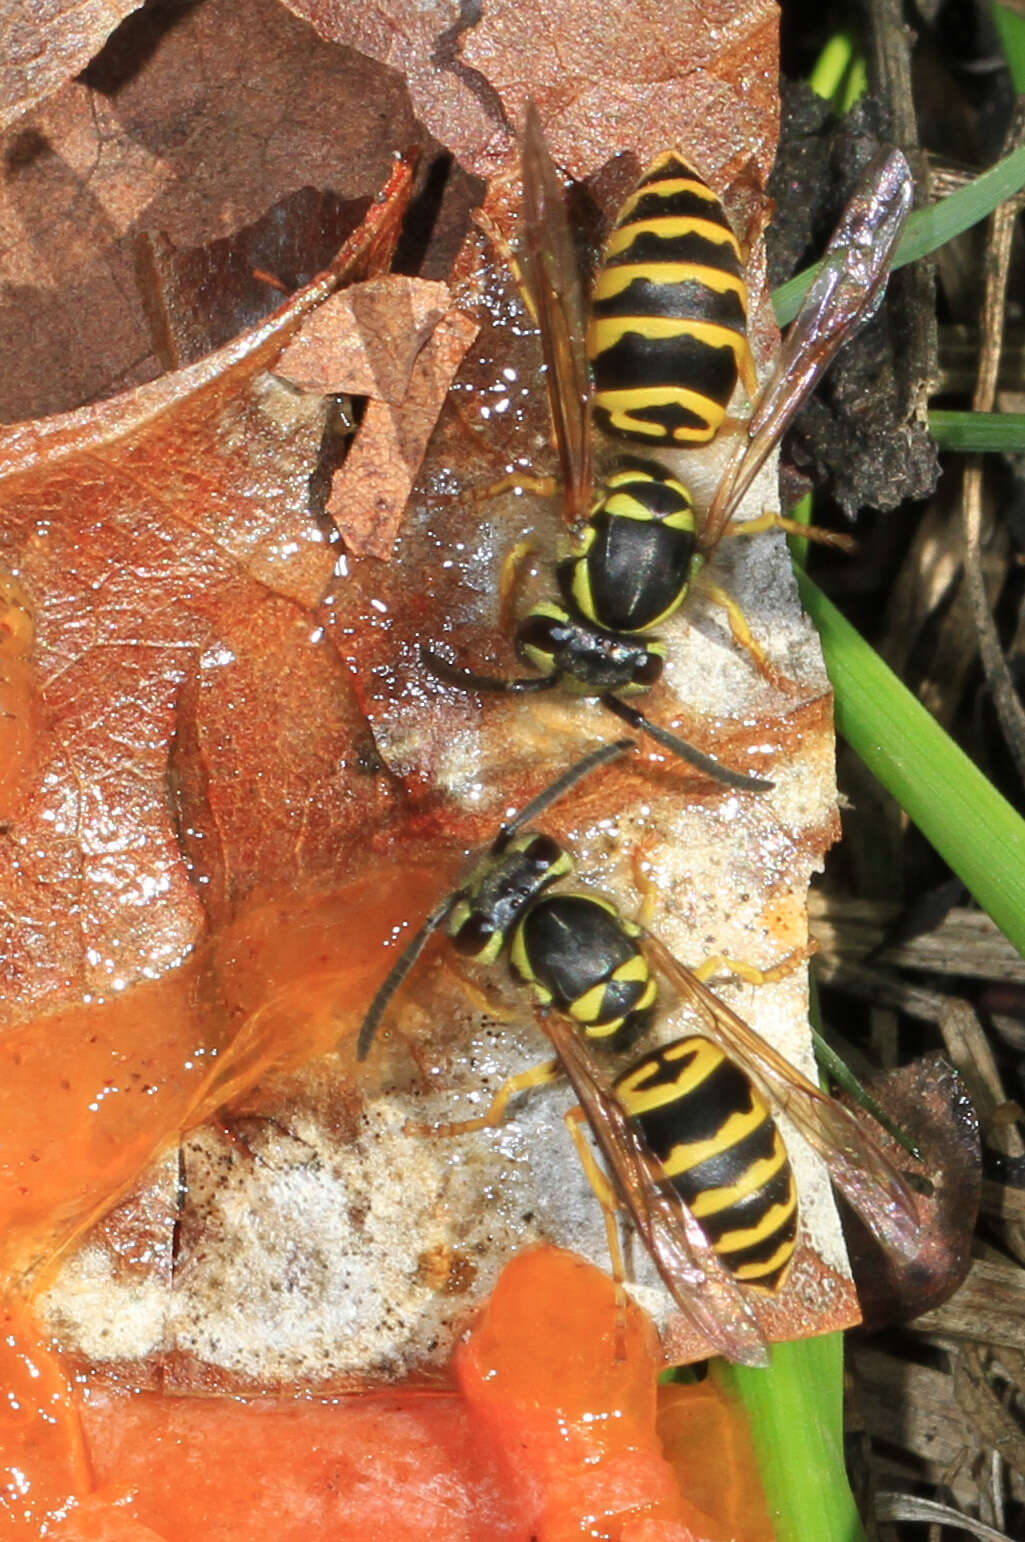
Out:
{"x": 582, "y": 958}
{"x": 634, "y": 561}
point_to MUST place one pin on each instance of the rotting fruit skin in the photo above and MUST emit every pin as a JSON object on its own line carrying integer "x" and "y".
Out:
{"x": 551, "y": 1433}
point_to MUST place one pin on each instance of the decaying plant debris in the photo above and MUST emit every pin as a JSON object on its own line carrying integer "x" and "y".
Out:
{"x": 225, "y": 745}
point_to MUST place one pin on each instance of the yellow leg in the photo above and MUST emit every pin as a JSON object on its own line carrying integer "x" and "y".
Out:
{"x": 487, "y": 226}
{"x": 644, "y": 886}
{"x": 544, "y": 487}
{"x": 719, "y": 963}
{"x": 749, "y": 375}
{"x": 738, "y": 623}
{"x": 537, "y": 1076}
{"x": 770, "y": 520}
{"x": 509, "y": 583}
{"x": 487, "y": 1005}
{"x": 605, "y": 1196}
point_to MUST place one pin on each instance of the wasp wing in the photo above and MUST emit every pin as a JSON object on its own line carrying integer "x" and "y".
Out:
{"x": 845, "y": 293}
{"x": 857, "y": 1162}
{"x": 706, "y": 1294}
{"x": 552, "y": 284}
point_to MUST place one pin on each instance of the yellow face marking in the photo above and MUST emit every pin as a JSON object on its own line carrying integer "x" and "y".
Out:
{"x": 612, "y": 281}
{"x": 495, "y": 943}
{"x": 669, "y": 227}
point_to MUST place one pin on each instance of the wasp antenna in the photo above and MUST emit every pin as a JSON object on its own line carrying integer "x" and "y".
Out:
{"x": 403, "y": 964}
{"x": 562, "y": 785}
{"x": 683, "y": 750}
{"x": 469, "y": 680}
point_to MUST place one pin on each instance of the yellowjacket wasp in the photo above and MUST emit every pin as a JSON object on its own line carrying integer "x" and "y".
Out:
{"x": 670, "y": 305}
{"x": 686, "y": 1129}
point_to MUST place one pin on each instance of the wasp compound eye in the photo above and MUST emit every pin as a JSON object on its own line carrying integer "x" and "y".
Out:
{"x": 649, "y": 669}
{"x": 543, "y": 852}
{"x": 473, "y": 935}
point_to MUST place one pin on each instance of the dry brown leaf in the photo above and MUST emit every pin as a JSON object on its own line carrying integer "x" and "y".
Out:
{"x": 370, "y": 492}
{"x": 179, "y": 126}
{"x": 365, "y": 340}
{"x": 984, "y": 1403}
{"x": 169, "y": 571}
{"x": 930, "y": 1103}
{"x": 43, "y": 47}
{"x": 199, "y": 298}
{"x": 694, "y": 73}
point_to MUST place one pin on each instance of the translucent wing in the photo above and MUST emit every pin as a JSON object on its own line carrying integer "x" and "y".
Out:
{"x": 552, "y": 284}
{"x": 706, "y": 1294}
{"x": 846, "y": 292}
{"x": 857, "y": 1162}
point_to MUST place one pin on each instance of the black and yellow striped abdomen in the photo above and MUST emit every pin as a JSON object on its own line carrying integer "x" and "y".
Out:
{"x": 582, "y": 958}
{"x": 715, "y": 1138}
{"x": 668, "y": 332}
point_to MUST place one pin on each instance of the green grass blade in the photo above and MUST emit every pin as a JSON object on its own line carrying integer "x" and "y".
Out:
{"x": 798, "y": 544}
{"x": 1010, "y": 24}
{"x": 856, "y": 84}
{"x": 929, "y": 228}
{"x": 979, "y": 431}
{"x": 832, "y": 64}
{"x": 795, "y": 1408}
{"x": 970, "y": 824}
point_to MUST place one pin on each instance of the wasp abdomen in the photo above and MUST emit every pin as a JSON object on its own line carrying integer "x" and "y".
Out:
{"x": 582, "y": 959}
{"x": 668, "y": 331}
{"x": 717, "y": 1143}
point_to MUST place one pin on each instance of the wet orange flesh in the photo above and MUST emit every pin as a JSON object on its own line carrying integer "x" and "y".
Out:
{"x": 551, "y": 1428}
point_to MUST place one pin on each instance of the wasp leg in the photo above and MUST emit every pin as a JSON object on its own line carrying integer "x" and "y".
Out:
{"x": 544, "y": 487}
{"x": 487, "y": 1005}
{"x": 510, "y": 582}
{"x": 738, "y": 623}
{"x": 486, "y": 225}
{"x": 748, "y": 374}
{"x": 770, "y": 520}
{"x": 604, "y": 1194}
{"x": 537, "y": 1076}
{"x": 648, "y": 891}
{"x": 742, "y": 634}
{"x": 720, "y": 963}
